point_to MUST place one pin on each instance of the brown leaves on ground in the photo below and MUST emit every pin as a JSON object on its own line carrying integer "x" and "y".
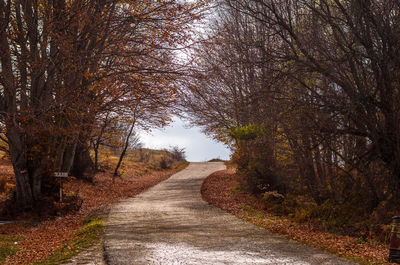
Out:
{"x": 42, "y": 238}
{"x": 220, "y": 189}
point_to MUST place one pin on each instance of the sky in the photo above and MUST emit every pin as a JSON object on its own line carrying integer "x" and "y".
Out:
{"x": 198, "y": 147}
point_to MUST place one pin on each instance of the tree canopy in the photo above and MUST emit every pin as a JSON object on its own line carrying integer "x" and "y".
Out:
{"x": 66, "y": 65}
{"x": 306, "y": 93}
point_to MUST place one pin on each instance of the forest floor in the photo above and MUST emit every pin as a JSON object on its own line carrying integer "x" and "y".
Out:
{"x": 220, "y": 189}
{"x": 46, "y": 240}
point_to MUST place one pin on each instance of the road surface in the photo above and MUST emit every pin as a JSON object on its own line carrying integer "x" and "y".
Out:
{"x": 171, "y": 224}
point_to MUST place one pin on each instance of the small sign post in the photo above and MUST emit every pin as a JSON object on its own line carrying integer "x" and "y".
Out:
{"x": 60, "y": 176}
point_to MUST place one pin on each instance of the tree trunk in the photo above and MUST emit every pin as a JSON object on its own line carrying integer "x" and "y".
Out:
{"x": 24, "y": 193}
{"x": 37, "y": 183}
{"x": 68, "y": 157}
{"x": 96, "y": 144}
{"x": 83, "y": 165}
{"x": 96, "y": 156}
{"x": 310, "y": 178}
{"x": 121, "y": 157}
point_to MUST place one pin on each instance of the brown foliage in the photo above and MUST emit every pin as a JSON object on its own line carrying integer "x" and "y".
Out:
{"x": 66, "y": 64}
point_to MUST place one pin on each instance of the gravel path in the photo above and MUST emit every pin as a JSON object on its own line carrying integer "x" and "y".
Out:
{"x": 171, "y": 224}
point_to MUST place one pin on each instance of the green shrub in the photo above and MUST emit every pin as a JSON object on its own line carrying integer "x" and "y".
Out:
{"x": 248, "y": 132}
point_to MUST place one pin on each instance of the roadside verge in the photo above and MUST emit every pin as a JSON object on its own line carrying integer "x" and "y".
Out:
{"x": 220, "y": 189}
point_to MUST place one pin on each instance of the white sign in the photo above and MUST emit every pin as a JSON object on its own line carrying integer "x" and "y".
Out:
{"x": 61, "y": 174}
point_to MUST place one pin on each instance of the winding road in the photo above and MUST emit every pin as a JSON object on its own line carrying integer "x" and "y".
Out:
{"x": 171, "y": 224}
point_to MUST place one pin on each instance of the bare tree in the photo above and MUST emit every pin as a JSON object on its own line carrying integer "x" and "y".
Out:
{"x": 306, "y": 88}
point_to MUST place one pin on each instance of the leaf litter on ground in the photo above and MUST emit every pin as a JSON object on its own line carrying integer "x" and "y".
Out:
{"x": 44, "y": 237}
{"x": 220, "y": 189}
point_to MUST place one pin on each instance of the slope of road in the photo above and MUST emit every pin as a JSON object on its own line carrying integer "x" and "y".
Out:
{"x": 171, "y": 224}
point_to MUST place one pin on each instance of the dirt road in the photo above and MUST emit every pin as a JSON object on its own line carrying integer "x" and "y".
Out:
{"x": 171, "y": 224}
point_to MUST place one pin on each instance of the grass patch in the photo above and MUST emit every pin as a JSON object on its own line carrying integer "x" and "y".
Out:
{"x": 7, "y": 250}
{"x": 239, "y": 189}
{"x": 216, "y": 160}
{"x": 8, "y": 239}
{"x": 248, "y": 210}
{"x": 88, "y": 235}
{"x": 356, "y": 259}
{"x": 359, "y": 260}
{"x": 182, "y": 166}
{"x": 8, "y": 246}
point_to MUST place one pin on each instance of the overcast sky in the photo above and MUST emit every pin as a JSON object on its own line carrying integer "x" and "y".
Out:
{"x": 198, "y": 147}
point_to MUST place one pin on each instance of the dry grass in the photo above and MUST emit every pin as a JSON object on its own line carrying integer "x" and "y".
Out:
{"x": 142, "y": 159}
{"x": 7, "y": 180}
